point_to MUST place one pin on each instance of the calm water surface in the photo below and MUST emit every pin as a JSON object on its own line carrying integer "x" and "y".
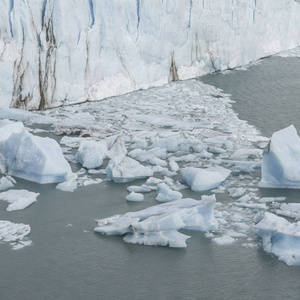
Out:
{"x": 68, "y": 261}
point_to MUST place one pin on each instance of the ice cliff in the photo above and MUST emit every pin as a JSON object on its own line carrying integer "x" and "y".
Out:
{"x": 56, "y": 52}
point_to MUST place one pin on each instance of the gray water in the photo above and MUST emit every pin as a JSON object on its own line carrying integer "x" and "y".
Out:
{"x": 68, "y": 261}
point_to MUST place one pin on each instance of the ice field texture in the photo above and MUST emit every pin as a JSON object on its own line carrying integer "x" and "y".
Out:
{"x": 153, "y": 136}
{"x": 51, "y": 53}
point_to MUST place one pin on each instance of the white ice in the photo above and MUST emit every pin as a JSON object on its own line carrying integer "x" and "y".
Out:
{"x": 31, "y": 157}
{"x": 281, "y": 164}
{"x": 165, "y": 194}
{"x": 124, "y": 169}
{"x": 158, "y": 225}
{"x": 281, "y": 238}
{"x": 135, "y": 197}
{"x": 18, "y": 199}
{"x": 200, "y": 179}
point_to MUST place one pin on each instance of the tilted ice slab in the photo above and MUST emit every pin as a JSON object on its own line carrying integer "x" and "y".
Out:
{"x": 18, "y": 199}
{"x": 281, "y": 238}
{"x": 124, "y": 169}
{"x": 281, "y": 160}
{"x": 31, "y": 157}
{"x": 204, "y": 179}
{"x": 158, "y": 225}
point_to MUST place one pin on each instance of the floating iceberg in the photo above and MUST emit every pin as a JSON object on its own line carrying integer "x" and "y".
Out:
{"x": 204, "y": 179}
{"x": 18, "y": 199}
{"x": 165, "y": 194}
{"x": 124, "y": 169}
{"x": 281, "y": 238}
{"x": 158, "y": 225}
{"x": 31, "y": 157}
{"x": 281, "y": 160}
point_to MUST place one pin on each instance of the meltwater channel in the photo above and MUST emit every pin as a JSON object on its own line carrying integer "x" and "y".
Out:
{"x": 68, "y": 261}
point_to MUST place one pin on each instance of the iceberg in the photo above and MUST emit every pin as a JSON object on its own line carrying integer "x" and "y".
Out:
{"x": 204, "y": 179}
{"x": 158, "y": 225}
{"x": 149, "y": 46}
{"x": 31, "y": 157}
{"x": 281, "y": 160}
{"x": 281, "y": 238}
{"x": 165, "y": 194}
{"x": 125, "y": 169}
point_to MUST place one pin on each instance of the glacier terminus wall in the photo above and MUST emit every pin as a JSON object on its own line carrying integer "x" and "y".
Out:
{"x": 58, "y": 52}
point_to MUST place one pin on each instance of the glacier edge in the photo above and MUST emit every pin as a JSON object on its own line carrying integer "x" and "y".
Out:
{"x": 57, "y": 52}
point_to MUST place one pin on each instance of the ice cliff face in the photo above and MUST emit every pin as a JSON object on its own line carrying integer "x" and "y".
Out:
{"x": 56, "y": 52}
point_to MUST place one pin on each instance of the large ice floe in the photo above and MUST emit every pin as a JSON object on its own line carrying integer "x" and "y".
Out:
{"x": 281, "y": 160}
{"x": 159, "y": 225}
{"x": 31, "y": 157}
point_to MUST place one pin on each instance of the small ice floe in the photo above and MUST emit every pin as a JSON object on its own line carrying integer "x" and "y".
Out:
{"x": 259, "y": 206}
{"x": 158, "y": 225}
{"x": 281, "y": 163}
{"x": 6, "y": 182}
{"x": 244, "y": 154}
{"x": 135, "y": 197}
{"x": 124, "y": 169}
{"x": 290, "y": 210}
{"x": 223, "y": 240}
{"x": 31, "y": 157}
{"x": 204, "y": 179}
{"x": 14, "y": 233}
{"x": 70, "y": 184}
{"x": 173, "y": 166}
{"x": 18, "y": 199}
{"x": 149, "y": 156}
{"x": 165, "y": 194}
{"x": 281, "y": 238}
{"x": 236, "y": 192}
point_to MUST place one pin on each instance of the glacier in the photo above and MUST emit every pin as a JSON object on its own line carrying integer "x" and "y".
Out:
{"x": 62, "y": 52}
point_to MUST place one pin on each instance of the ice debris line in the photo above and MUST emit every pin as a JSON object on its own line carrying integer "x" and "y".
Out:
{"x": 152, "y": 43}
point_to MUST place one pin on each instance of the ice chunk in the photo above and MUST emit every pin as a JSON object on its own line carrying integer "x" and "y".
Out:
{"x": 236, "y": 192}
{"x": 18, "y": 199}
{"x": 124, "y": 169}
{"x": 204, "y": 179}
{"x": 136, "y": 197}
{"x": 139, "y": 189}
{"x": 173, "y": 166}
{"x": 223, "y": 240}
{"x": 165, "y": 194}
{"x": 281, "y": 163}
{"x": 33, "y": 158}
{"x": 291, "y": 210}
{"x": 158, "y": 225}
{"x": 281, "y": 238}
{"x": 69, "y": 185}
{"x": 91, "y": 153}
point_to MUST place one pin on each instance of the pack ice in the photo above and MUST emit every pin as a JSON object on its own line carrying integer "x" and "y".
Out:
{"x": 281, "y": 160}
{"x": 31, "y": 157}
{"x": 281, "y": 238}
{"x": 158, "y": 225}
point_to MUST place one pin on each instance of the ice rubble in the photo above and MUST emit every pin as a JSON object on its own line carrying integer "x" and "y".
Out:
{"x": 281, "y": 238}
{"x": 158, "y": 225}
{"x": 281, "y": 164}
{"x": 14, "y": 233}
{"x": 31, "y": 157}
{"x": 35, "y": 40}
{"x": 18, "y": 199}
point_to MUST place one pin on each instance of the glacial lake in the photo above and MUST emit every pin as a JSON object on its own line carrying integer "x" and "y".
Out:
{"x": 67, "y": 260}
